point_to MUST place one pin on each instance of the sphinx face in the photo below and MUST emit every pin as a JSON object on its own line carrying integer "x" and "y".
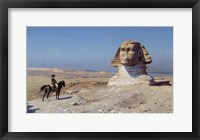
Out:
{"x": 129, "y": 54}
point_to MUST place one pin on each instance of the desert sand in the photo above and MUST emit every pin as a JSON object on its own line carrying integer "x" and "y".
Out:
{"x": 88, "y": 93}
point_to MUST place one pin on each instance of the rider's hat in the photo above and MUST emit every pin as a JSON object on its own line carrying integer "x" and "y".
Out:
{"x": 52, "y": 75}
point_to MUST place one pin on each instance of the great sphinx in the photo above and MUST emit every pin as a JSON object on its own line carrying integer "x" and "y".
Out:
{"x": 131, "y": 59}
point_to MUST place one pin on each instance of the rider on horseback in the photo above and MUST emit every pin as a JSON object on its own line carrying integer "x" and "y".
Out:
{"x": 53, "y": 82}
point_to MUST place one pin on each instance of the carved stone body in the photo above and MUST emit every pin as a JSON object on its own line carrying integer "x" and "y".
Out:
{"x": 131, "y": 75}
{"x": 131, "y": 59}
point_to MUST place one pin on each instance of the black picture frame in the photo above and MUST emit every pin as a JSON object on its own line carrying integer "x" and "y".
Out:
{"x": 6, "y": 4}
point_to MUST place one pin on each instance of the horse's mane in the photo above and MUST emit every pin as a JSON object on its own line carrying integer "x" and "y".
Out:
{"x": 61, "y": 82}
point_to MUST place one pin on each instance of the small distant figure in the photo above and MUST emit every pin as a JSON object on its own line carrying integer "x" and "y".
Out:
{"x": 54, "y": 82}
{"x": 48, "y": 90}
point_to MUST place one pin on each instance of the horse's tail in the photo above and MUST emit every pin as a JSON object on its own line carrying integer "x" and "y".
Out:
{"x": 42, "y": 88}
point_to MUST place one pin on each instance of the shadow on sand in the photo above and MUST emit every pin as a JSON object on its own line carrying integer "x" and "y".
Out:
{"x": 162, "y": 83}
{"x": 30, "y": 110}
{"x": 63, "y": 98}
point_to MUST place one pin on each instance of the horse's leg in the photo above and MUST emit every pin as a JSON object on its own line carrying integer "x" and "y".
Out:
{"x": 44, "y": 95}
{"x": 58, "y": 94}
{"x": 48, "y": 93}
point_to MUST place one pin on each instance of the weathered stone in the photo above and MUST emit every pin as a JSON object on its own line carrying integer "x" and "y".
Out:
{"x": 131, "y": 53}
{"x": 131, "y": 75}
{"x": 67, "y": 109}
{"x": 114, "y": 111}
{"x": 71, "y": 91}
{"x": 131, "y": 59}
{"x": 74, "y": 103}
{"x": 101, "y": 111}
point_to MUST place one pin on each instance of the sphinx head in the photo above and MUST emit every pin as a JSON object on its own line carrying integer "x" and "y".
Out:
{"x": 131, "y": 53}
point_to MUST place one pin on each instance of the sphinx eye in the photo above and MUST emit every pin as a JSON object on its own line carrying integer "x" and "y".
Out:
{"x": 122, "y": 49}
{"x": 128, "y": 49}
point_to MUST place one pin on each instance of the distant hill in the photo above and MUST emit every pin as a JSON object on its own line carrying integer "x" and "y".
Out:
{"x": 90, "y": 70}
{"x": 67, "y": 73}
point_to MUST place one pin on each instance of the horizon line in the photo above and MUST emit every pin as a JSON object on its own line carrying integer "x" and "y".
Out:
{"x": 92, "y": 70}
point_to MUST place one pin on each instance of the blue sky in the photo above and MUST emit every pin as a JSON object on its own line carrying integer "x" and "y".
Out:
{"x": 93, "y": 48}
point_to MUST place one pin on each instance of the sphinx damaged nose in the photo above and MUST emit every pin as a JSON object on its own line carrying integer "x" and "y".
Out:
{"x": 126, "y": 56}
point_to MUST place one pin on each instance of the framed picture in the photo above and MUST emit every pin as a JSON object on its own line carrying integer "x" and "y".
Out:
{"x": 99, "y": 70}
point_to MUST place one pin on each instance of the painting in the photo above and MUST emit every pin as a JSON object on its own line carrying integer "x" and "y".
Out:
{"x": 99, "y": 69}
